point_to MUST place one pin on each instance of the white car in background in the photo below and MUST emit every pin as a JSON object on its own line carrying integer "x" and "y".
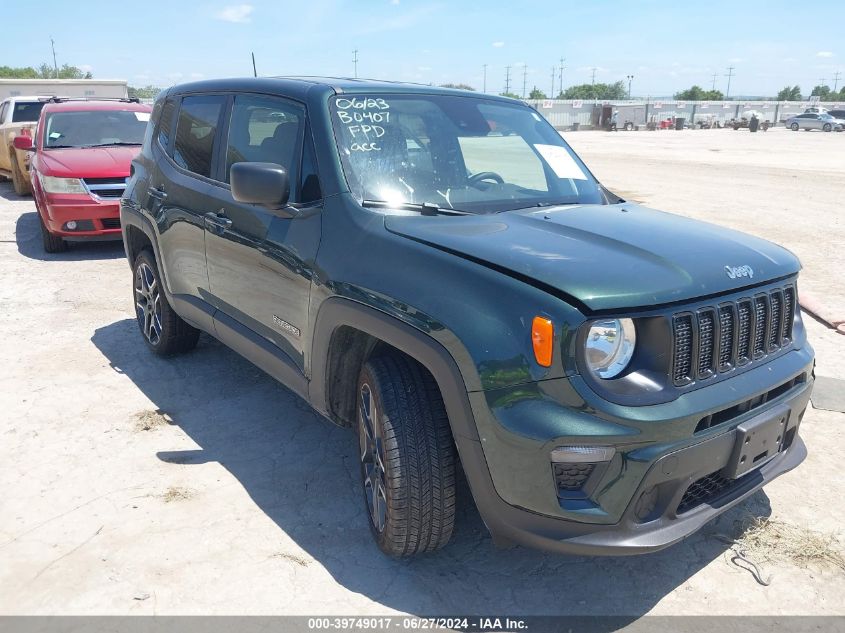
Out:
{"x": 815, "y": 121}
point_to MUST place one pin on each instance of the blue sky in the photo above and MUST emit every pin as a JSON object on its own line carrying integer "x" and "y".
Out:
{"x": 665, "y": 47}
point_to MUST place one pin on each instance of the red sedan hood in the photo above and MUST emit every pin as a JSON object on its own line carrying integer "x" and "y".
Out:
{"x": 88, "y": 162}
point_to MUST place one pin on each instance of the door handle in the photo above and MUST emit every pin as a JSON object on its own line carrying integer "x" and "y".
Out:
{"x": 217, "y": 221}
{"x": 157, "y": 192}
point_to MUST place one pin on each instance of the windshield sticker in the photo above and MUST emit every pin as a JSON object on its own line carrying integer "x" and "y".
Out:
{"x": 142, "y": 116}
{"x": 561, "y": 162}
{"x": 364, "y": 119}
{"x": 55, "y": 134}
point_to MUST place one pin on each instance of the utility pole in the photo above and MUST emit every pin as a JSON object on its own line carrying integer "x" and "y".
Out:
{"x": 836, "y": 76}
{"x": 552, "y": 93}
{"x": 485, "y": 78}
{"x": 55, "y": 65}
{"x": 630, "y": 79}
{"x": 355, "y": 61}
{"x": 560, "y": 82}
{"x": 593, "y": 84}
{"x": 254, "y": 72}
{"x": 822, "y": 81}
{"x": 524, "y": 78}
{"x": 714, "y": 81}
{"x": 507, "y": 79}
{"x": 729, "y": 75}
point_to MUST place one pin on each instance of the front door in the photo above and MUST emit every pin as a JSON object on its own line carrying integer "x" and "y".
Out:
{"x": 259, "y": 264}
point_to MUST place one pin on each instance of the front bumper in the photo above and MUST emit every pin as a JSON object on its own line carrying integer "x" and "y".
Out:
{"x": 98, "y": 217}
{"x": 653, "y": 494}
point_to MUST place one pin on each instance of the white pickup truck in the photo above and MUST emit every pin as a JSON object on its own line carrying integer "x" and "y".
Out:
{"x": 18, "y": 115}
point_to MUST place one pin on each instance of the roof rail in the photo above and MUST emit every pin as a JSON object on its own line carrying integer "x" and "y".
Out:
{"x": 120, "y": 99}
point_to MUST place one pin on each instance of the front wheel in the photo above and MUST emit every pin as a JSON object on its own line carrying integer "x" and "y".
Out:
{"x": 407, "y": 456}
{"x": 827, "y": 127}
{"x": 51, "y": 243}
{"x": 794, "y": 127}
{"x": 164, "y": 331}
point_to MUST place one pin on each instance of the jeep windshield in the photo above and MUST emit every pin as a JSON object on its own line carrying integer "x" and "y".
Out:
{"x": 94, "y": 128}
{"x": 457, "y": 152}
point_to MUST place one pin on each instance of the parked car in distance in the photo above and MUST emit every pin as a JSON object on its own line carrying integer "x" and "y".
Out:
{"x": 837, "y": 114}
{"x": 18, "y": 116}
{"x": 438, "y": 270}
{"x": 815, "y": 121}
{"x": 81, "y": 156}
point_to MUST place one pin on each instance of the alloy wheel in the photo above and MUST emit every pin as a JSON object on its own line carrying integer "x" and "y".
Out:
{"x": 372, "y": 458}
{"x": 148, "y": 303}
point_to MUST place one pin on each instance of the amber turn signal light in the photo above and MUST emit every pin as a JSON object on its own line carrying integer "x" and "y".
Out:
{"x": 542, "y": 337}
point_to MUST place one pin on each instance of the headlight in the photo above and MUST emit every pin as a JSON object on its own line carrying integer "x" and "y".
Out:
{"x": 51, "y": 184}
{"x": 610, "y": 346}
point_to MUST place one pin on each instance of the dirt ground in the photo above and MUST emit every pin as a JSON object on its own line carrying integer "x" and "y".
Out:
{"x": 135, "y": 485}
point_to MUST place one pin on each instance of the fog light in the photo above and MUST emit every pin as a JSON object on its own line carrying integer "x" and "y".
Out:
{"x": 71, "y": 226}
{"x": 582, "y": 454}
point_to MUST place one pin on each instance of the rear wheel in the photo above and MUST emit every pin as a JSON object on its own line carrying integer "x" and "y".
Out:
{"x": 52, "y": 243}
{"x": 407, "y": 456}
{"x": 794, "y": 127}
{"x": 827, "y": 127}
{"x": 164, "y": 331}
{"x": 18, "y": 180}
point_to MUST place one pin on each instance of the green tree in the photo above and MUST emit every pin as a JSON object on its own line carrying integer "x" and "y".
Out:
{"x": 512, "y": 95}
{"x": 536, "y": 93}
{"x": 458, "y": 86}
{"x": 595, "y": 91}
{"x": 821, "y": 91}
{"x": 147, "y": 92}
{"x": 790, "y": 94}
{"x": 44, "y": 71}
{"x": 697, "y": 93}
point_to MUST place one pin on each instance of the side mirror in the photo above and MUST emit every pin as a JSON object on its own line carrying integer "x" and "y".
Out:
{"x": 23, "y": 142}
{"x": 266, "y": 184}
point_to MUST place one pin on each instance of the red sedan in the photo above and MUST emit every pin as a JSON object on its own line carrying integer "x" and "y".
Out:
{"x": 80, "y": 162}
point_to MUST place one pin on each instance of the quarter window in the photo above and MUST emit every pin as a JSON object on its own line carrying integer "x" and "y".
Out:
{"x": 265, "y": 130}
{"x": 195, "y": 132}
{"x": 165, "y": 125}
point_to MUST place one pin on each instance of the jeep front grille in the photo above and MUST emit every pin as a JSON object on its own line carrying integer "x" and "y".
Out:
{"x": 716, "y": 339}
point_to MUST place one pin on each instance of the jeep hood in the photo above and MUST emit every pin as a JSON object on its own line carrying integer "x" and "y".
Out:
{"x": 607, "y": 257}
{"x": 88, "y": 162}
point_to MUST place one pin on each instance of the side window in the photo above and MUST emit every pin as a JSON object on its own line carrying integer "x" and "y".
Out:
{"x": 3, "y": 108}
{"x": 309, "y": 186}
{"x": 166, "y": 123}
{"x": 195, "y": 132}
{"x": 265, "y": 130}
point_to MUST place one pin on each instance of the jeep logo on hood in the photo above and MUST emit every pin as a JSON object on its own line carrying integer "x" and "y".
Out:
{"x": 734, "y": 272}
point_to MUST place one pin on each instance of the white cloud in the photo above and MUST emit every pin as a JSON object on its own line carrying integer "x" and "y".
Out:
{"x": 175, "y": 76}
{"x": 86, "y": 68}
{"x": 394, "y": 1}
{"x": 238, "y": 13}
{"x": 824, "y": 54}
{"x": 197, "y": 75}
{"x": 498, "y": 44}
{"x": 423, "y": 69}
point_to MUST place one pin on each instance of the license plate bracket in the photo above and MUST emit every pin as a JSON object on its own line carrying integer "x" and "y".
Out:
{"x": 757, "y": 441}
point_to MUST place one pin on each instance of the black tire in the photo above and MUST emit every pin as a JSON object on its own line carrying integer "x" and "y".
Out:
{"x": 827, "y": 127}
{"x": 164, "y": 331}
{"x": 406, "y": 449}
{"x": 52, "y": 243}
{"x": 629, "y": 126}
{"x": 19, "y": 182}
{"x": 794, "y": 127}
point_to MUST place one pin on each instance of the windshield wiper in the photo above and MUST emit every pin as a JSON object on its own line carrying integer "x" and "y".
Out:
{"x": 543, "y": 204}
{"x": 110, "y": 144}
{"x": 62, "y": 146}
{"x": 426, "y": 208}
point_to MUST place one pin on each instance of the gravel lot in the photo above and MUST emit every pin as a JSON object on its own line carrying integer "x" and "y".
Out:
{"x": 132, "y": 484}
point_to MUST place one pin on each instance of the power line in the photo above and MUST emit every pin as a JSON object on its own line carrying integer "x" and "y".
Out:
{"x": 729, "y": 75}
{"x": 355, "y": 61}
{"x": 507, "y": 79}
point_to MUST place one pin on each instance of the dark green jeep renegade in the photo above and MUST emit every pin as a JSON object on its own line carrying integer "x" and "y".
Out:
{"x": 438, "y": 270}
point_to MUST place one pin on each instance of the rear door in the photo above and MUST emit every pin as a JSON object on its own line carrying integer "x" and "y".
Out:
{"x": 179, "y": 192}
{"x": 260, "y": 265}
